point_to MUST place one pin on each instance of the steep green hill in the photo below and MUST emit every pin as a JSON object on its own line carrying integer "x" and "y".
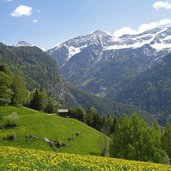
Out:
{"x": 33, "y": 126}
{"x": 37, "y": 68}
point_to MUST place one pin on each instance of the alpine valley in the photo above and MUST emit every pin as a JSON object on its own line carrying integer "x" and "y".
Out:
{"x": 114, "y": 74}
{"x": 76, "y": 97}
{"x": 39, "y": 70}
{"x": 131, "y": 69}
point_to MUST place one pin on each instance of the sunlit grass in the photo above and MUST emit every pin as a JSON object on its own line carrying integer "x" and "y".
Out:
{"x": 40, "y": 125}
{"x": 23, "y": 159}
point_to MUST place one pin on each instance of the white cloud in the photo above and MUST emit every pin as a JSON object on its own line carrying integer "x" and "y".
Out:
{"x": 145, "y": 27}
{"x": 166, "y": 21}
{"x": 35, "y": 21}
{"x": 22, "y": 10}
{"x": 124, "y": 30}
{"x": 9, "y": 0}
{"x": 162, "y": 4}
{"x": 142, "y": 28}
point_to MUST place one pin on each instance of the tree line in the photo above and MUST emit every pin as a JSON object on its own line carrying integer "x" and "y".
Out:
{"x": 131, "y": 137}
{"x": 134, "y": 139}
{"x": 13, "y": 91}
{"x": 92, "y": 118}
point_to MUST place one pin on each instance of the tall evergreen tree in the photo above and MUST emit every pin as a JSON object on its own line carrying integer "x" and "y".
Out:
{"x": 20, "y": 93}
{"x": 78, "y": 113}
{"x": 40, "y": 100}
{"x": 166, "y": 140}
{"x": 93, "y": 118}
{"x": 138, "y": 128}
{"x": 36, "y": 101}
{"x": 5, "y": 89}
{"x": 121, "y": 138}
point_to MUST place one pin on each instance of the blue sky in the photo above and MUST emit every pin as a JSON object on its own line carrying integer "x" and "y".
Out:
{"x": 48, "y": 22}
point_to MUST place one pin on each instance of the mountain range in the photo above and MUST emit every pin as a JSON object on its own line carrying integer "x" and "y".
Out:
{"x": 39, "y": 70}
{"x": 107, "y": 66}
{"x": 114, "y": 74}
{"x": 97, "y": 61}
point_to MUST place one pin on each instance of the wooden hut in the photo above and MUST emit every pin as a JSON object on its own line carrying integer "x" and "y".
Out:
{"x": 63, "y": 112}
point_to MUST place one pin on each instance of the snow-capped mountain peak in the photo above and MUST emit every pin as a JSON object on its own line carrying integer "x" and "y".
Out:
{"x": 97, "y": 42}
{"x": 140, "y": 39}
{"x": 100, "y": 33}
{"x": 77, "y": 44}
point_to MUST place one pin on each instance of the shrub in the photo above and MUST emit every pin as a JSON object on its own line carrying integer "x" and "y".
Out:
{"x": 10, "y": 137}
{"x": 58, "y": 143}
{"x": 77, "y": 133}
{"x": 70, "y": 138}
{"x": 30, "y": 138}
{"x": 10, "y": 122}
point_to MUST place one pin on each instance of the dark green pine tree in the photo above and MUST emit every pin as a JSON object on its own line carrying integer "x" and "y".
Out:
{"x": 166, "y": 140}
{"x": 5, "y": 89}
{"x": 93, "y": 118}
{"x": 36, "y": 100}
{"x": 20, "y": 93}
{"x": 121, "y": 138}
{"x": 40, "y": 100}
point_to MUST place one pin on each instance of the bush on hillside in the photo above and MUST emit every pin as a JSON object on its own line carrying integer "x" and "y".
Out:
{"x": 10, "y": 137}
{"x": 11, "y": 121}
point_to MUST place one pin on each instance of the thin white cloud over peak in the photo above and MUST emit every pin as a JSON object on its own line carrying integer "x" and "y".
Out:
{"x": 35, "y": 21}
{"x": 166, "y": 21}
{"x": 145, "y": 27}
{"x": 22, "y": 10}
{"x": 9, "y": 0}
{"x": 142, "y": 28}
{"x": 162, "y": 4}
{"x": 124, "y": 30}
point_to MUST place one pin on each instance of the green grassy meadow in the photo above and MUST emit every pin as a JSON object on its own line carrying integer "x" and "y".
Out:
{"x": 40, "y": 125}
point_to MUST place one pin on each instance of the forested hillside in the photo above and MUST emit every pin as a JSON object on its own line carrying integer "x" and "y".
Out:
{"x": 38, "y": 70}
{"x": 150, "y": 90}
{"x": 105, "y": 106}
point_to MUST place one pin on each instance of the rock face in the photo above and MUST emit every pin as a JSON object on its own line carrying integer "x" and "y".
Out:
{"x": 23, "y": 44}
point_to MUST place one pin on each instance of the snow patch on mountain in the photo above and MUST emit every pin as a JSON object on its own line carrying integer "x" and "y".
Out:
{"x": 157, "y": 38}
{"x": 167, "y": 38}
{"x": 73, "y": 51}
{"x": 161, "y": 46}
{"x": 137, "y": 44}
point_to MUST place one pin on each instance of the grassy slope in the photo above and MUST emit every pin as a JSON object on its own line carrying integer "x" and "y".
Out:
{"x": 31, "y": 122}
